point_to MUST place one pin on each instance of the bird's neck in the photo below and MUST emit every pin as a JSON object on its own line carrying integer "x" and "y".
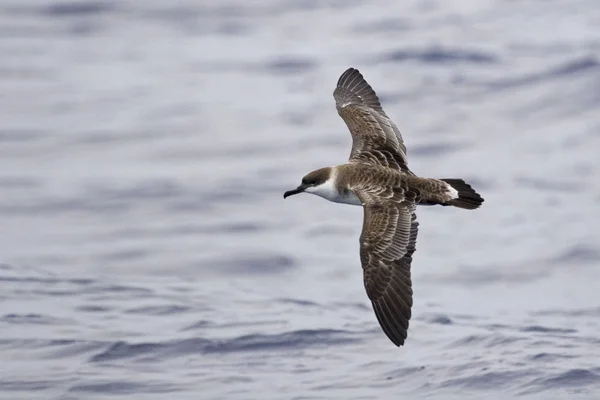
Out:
{"x": 331, "y": 190}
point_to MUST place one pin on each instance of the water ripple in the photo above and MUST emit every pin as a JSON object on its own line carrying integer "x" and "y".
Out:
{"x": 547, "y": 330}
{"x": 290, "y": 66}
{"x": 441, "y": 56}
{"x": 77, "y": 9}
{"x": 583, "y": 379}
{"x": 258, "y": 342}
{"x": 569, "y": 68}
{"x": 159, "y": 310}
{"x": 485, "y": 381}
{"x": 253, "y": 264}
{"x": 578, "y": 253}
{"x": 125, "y": 387}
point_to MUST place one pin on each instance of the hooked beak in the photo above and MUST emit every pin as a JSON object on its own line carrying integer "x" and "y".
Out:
{"x": 299, "y": 189}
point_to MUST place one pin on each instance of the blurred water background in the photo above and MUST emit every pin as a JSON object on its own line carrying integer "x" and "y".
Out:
{"x": 145, "y": 248}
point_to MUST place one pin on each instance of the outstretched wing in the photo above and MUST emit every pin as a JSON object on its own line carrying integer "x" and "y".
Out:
{"x": 387, "y": 243}
{"x": 375, "y": 138}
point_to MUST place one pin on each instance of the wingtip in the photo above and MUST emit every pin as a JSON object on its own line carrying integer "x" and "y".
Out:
{"x": 352, "y": 88}
{"x": 389, "y": 324}
{"x": 398, "y": 343}
{"x": 350, "y": 72}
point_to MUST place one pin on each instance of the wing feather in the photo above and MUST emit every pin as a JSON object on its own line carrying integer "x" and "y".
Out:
{"x": 375, "y": 137}
{"x": 387, "y": 244}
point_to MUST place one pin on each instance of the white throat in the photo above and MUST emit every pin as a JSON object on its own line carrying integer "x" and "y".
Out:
{"x": 328, "y": 190}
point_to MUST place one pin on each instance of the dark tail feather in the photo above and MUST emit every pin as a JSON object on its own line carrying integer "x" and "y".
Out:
{"x": 467, "y": 197}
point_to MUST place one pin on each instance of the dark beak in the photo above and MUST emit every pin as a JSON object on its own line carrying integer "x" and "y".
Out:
{"x": 299, "y": 189}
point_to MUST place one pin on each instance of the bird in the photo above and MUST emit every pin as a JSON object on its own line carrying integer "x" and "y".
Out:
{"x": 377, "y": 177}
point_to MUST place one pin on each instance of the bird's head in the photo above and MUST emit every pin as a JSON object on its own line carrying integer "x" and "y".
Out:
{"x": 318, "y": 182}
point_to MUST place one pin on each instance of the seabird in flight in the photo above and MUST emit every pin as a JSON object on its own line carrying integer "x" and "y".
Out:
{"x": 377, "y": 178}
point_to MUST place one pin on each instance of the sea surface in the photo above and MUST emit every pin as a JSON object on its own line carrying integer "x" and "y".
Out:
{"x": 146, "y": 251}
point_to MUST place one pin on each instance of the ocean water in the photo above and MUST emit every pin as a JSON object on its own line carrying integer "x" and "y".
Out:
{"x": 146, "y": 251}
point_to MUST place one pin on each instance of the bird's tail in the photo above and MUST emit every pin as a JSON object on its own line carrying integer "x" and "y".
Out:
{"x": 467, "y": 197}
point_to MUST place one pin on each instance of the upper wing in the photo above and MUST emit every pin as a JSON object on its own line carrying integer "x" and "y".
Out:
{"x": 387, "y": 243}
{"x": 375, "y": 138}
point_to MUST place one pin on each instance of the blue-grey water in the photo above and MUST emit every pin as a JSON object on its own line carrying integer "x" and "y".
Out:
{"x": 146, "y": 251}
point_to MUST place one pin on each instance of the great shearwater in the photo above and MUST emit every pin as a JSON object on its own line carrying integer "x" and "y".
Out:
{"x": 377, "y": 177}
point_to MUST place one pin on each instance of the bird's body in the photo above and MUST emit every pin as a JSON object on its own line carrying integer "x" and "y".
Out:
{"x": 343, "y": 180}
{"x": 377, "y": 177}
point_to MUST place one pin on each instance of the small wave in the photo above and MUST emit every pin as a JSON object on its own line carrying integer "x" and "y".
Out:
{"x": 488, "y": 341}
{"x": 46, "y": 280}
{"x": 441, "y": 56}
{"x": 20, "y": 136}
{"x": 69, "y": 348}
{"x": 544, "y": 329}
{"x": 257, "y": 342}
{"x": 299, "y": 302}
{"x": 133, "y": 290}
{"x": 289, "y": 340}
{"x": 31, "y": 319}
{"x": 573, "y": 67}
{"x": 549, "y": 357}
{"x": 253, "y": 264}
{"x": 124, "y": 350}
{"x": 125, "y": 387}
{"x": 578, "y": 253}
{"x": 198, "y": 325}
{"x": 435, "y": 149}
{"x": 168, "y": 309}
{"x": 125, "y": 255}
{"x": 290, "y": 66}
{"x": 26, "y": 386}
{"x": 249, "y": 324}
{"x": 76, "y": 9}
{"x": 485, "y": 381}
{"x": 439, "y": 319}
{"x": 582, "y": 312}
{"x": 403, "y": 372}
{"x": 54, "y": 348}
{"x": 571, "y": 379}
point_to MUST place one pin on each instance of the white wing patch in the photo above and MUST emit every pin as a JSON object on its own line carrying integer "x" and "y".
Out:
{"x": 453, "y": 192}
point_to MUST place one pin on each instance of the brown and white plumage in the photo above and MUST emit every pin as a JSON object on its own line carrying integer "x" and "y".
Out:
{"x": 375, "y": 137}
{"x": 387, "y": 243}
{"x": 378, "y": 178}
{"x": 390, "y": 227}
